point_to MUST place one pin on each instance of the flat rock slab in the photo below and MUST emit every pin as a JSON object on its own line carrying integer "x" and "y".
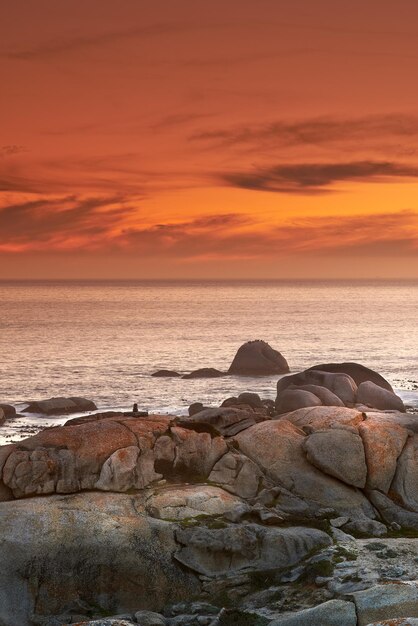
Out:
{"x": 188, "y": 502}
{"x": 389, "y": 601}
{"x": 332, "y": 613}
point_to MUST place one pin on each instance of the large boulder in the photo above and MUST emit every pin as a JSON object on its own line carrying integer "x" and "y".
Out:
{"x": 359, "y": 373}
{"x": 373, "y": 395}
{"x": 339, "y": 453}
{"x": 257, "y": 358}
{"x": 342, "y": 385}
{"x": 60, "y": 406}
{"x": 101, "y": 548}
{"x": 404, "y": 486}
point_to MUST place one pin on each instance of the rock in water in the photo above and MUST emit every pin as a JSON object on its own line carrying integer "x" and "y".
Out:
{"x": 2, "y": 417}
{"x": 204, "y": 372}
{"x": 257, "y": 358}
{"x": 8, "y": 410}
{"x": 165, "y": 374}
{"x": 60, "y": 406}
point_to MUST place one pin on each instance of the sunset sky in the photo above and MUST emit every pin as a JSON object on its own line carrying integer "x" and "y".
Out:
{"x": 224, "y": 139}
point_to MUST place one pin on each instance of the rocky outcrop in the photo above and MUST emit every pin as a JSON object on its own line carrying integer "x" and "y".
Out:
{"x": 60, "y": 406}
{"x": 257, "y": 358}
{"x": 204, "y": 372}
{"x": 316, "y": 387}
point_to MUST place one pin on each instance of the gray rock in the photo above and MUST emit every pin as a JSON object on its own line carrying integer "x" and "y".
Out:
{"x": 196, "y": 407}
{"x": 388, "y": 601}
{"x": 341, "y": 385}
{"x": 148, "y": 618}
{"x": 332, "y": 613}
{"x": 223, "y": 421}
{"x": 257, "y": 358}
{"x": 339, "y": 453}
{"x": 238, "y": 474}
{"x": 60, "y": 406}
{"x": 293, "y": 399}
{"x": 249, "y": 547}
{"x": 101, "y": 539}
{"x": 252, "y": 399}
{"x": 372, "y": 395}
{"x": 8, "y": 411}
{"x": 359, "y": 373}
{"x": 325, "y": 395}
{"x": 405, "y": 482}
{"x": 204, "y": 372}
{"x": 392, "y": 513}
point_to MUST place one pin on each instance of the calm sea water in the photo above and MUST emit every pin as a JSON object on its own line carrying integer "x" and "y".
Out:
{"x": 102, "y": 340}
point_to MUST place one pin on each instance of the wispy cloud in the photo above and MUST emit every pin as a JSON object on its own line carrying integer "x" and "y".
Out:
{"x": 312, "y": 131}
{"x": 310, "y": 178}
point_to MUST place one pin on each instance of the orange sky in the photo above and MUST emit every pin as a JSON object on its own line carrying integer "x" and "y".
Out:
{"x": 182, "y": 138}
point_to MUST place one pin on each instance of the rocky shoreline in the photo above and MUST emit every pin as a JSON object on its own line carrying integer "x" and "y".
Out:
{"x": 302, "y": 510}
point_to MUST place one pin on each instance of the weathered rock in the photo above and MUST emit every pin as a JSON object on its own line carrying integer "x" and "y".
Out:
{"x": 205, "y": 372}
{"x": 293, "y": 399}
{"x": 405, "y": 483}
{"x": 386, "y": 601}
{"x": 375, "y": 396}
{"x": 392, "y": 513}
{"x": 320, "y": 418}
{"x": 2, "y": 417}
{"x": 359, "y": 373}
{"x": 165, "y": 374}
{"x": 238, "y": 474}
{"x": 331, "y": 613}
{"x": 102, "y": 546}
{"x": 190, "y": 501}
{"x": 383, "y": 443}
{"x": 196, "y": 452}
{"x": 276, "y": 446}
{"x": 246, "y": 548}
{"x": 341, "y": 385}
{"x": 366, "y": 528}
{"x": 402, "y": 621}
{"x": 60, "y": 406}
{"x": 8, "y": 411}
{"x": 339, "y": 453}
{"x": 222, "y": 421}
{"x": 257, "y": 358}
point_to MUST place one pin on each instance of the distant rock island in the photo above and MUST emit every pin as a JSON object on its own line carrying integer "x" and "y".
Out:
{"x": 302, "y": 510}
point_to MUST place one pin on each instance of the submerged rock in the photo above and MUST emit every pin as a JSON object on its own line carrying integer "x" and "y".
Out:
{"x": 257, "y": 358}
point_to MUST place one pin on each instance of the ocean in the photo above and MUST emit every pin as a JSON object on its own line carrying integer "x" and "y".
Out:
{"x": 103, "y": 339}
